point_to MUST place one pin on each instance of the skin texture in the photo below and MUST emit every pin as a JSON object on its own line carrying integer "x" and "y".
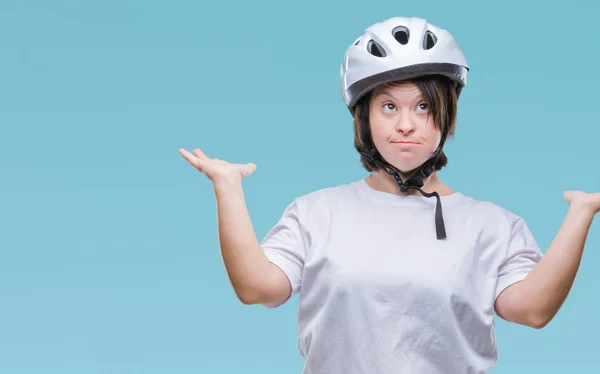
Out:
{"x": 399, "y": 114}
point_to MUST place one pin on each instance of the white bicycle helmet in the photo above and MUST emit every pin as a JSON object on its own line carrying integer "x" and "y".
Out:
{"x": 396, "y": 49}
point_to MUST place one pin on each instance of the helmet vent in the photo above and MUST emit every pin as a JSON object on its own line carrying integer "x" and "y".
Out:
{"x": 401, "y": 34}
{"x": 375, "y": 49}
{"x": 429, "y": 40}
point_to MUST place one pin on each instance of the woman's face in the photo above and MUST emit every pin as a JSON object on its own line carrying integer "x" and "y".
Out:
{"x": 402, "y": 127}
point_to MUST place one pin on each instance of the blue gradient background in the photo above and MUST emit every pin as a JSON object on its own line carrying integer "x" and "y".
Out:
{"x": 109, "y": 261}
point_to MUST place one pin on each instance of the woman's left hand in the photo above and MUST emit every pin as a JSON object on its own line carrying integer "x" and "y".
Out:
{"x": 585, "y": 200}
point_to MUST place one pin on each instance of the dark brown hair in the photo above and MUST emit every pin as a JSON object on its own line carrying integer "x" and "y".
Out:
{"x": 441, "y": 95}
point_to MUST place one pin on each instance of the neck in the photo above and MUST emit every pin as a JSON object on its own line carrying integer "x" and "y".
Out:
{"x": 382, "y": 181}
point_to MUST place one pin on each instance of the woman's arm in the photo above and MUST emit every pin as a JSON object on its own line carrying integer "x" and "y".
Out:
{"x": 254, "y": 278}
{"x": 536, "y": 300}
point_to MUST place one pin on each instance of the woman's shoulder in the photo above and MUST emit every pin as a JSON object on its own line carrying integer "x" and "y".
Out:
{"x": 336, "y": 192}
{"x": 489, "y": 211}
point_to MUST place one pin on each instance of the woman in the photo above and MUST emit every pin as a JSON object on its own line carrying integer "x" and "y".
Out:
{"x": 388, "y": 281}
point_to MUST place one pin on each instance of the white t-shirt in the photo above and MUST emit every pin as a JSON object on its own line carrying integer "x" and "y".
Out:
{"x": 379, "y": 293}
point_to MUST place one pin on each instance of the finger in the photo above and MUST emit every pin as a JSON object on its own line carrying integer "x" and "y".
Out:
{"x": 195, "y": 161}
{"x": 247, "y": 169}
{"x": 568, "y": 195}
{"x": 200, "y": 154}
{"x": 185, "y": 153}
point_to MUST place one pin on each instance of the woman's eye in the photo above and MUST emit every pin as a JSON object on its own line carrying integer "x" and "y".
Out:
{"x": 423, "y": 107}
{"x": 389, "y": 107}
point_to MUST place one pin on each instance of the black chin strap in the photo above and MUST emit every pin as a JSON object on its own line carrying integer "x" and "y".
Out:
{"x": 416, "y": 182}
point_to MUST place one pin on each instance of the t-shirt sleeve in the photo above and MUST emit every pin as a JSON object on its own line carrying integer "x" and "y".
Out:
{"x": 284, "y": 247}
{"x": 523, "y": 254}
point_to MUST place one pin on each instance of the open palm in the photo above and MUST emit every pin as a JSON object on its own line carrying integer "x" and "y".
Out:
{"x": 583, "y": 199}
{"x": 215, "y": 169}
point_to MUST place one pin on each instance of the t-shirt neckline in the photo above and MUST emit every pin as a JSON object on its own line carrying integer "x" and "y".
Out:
{"x": 369, "y": 191}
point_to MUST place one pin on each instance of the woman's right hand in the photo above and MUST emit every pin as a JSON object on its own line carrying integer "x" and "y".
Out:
{"x": 217, "y": 170}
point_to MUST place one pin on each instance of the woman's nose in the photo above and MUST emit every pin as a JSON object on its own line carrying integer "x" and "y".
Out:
{"x": 405, "y": 124}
